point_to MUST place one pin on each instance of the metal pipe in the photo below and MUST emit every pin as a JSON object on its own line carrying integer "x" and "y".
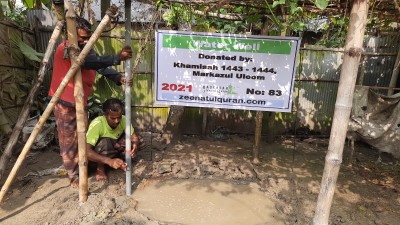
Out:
{"x": 128, "y": 76}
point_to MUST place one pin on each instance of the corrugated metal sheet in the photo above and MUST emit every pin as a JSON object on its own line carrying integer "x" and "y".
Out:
{"x": 41, "y": 19}
{"x": 42, "y": 22}
{"x": 319, "y": 73}
{"x": 316, "y": 87}
{"x": 385, "y": 43}
{"x": 379, "y": 67}
{"x": 319, "y": 64}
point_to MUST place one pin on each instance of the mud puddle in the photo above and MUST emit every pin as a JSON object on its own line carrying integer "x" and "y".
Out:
{"x": 205, "y": 202}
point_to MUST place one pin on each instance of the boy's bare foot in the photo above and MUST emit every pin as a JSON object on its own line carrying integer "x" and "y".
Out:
{"x": 101, "y": 174}
{"x": 75, "y": 183}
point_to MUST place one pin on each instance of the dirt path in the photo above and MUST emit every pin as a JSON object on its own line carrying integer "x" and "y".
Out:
{"x": 288, "y": 178}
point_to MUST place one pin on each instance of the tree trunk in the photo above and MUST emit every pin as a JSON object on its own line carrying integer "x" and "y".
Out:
{"x": 53, "y": 101}
{"x": 30, "y": 99}
{"x": 171, "y": 131}
{"x": 270, "y": 136}
{"x": 348, "y": 76}
{"x": 257, "y": 137}
{"x": 258, "y": 119}
{"x": 73, "y": 49}
{"x": 204, "y": 111}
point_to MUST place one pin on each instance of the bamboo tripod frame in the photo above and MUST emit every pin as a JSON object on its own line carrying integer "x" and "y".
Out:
{"x": 71, "y": 73}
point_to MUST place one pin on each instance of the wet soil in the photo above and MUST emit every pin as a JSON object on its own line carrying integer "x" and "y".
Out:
{"x": 205, "y": 181}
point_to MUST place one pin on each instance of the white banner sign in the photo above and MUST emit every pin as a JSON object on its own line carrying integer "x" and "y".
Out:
{"x": 225, "y": 70}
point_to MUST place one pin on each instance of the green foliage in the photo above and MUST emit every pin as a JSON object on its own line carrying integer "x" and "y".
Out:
{"x": 177, "y": 14}
{"x": 18, "y": 15}
{"x": 25, "y": 49}
{"x": 28, "y": 3}
{"x": 321, "y": 4}
{"x": 103, "y": 89}
{"x": 169, "y": 17}
{"x": 32, "y": 4}
{"x": 203, "y": 25}
{"x": 234, "y": 27}
{"x": 29, "y": 52}
{"x": 335, "y": 32}
{"x": 296, "y": 17}
{"x": 254, "y": 17}
{"x": 277, "y": 3}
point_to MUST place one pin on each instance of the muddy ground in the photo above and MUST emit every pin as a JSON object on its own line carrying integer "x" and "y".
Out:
{"x": 289, "y": 176}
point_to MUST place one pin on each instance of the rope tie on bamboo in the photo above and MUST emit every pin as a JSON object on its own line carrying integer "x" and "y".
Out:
{"x": 113, "y": 12}
{"x": 354, "y": 51}
{"x": 113, "y": 15}
{"x": 343, "y": 106}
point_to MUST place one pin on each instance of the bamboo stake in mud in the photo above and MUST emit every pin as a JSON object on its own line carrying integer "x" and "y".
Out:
{"x": 344, "y": 100}
{"x": 73, "y": 49}
{"x": 128, "y": 73}
{"x": 5, "y": 158}
{"x": 71, "y": 72}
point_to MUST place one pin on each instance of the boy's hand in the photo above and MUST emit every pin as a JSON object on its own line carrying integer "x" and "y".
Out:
{"x": 123, "y": 167}
{"x": 134, "y": 149}
{"x": 116, "y": 163}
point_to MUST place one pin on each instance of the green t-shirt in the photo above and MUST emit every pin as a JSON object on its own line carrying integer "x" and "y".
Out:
{"x": 99, "y": 128}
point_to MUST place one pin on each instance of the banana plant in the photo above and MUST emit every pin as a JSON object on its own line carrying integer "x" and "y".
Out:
{"x": 35, "y": 4}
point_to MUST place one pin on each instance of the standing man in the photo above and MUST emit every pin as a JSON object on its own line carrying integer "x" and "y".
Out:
{"x": 105, "y": 138}
{"x": 64, "y": 110}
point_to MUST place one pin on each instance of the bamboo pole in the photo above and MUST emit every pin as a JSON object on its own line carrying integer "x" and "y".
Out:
{"x": 5, "y": 158}
{"x": 395, "y": 74}
{"x": 344, "y": 100}
{"x": 72, "y": 71}
{"x": 79, "y": 104}
{"x": 396, "y": 69}
{"x": 128, "y": 76}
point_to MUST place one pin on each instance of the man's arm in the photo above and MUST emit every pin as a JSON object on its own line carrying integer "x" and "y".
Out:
{"x": 95, "y": 62}
{"x": 111, "y": 74}
{"x": 96, "y": 157}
